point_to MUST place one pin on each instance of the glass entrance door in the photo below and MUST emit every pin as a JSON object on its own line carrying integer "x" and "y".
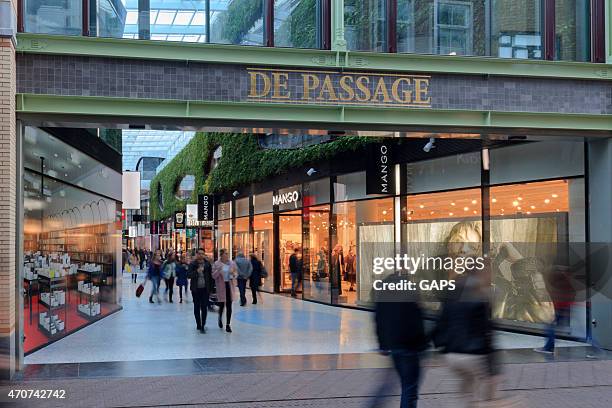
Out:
{"x": 290, "y": 234}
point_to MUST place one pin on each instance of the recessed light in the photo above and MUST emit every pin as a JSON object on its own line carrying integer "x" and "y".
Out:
{"x": 474, "y": 201}
{"x": 494, "y": 200}
{"x": 554, "y": 196}
{"x": 547, "y": 200}
{"x": 515, "y": 203}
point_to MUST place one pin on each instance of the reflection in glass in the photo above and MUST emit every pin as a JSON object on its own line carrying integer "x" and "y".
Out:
{"x": 516, "y": 30}
{"x": 296, "y": 23}
{"x": 53, "y": 17}
{"x": 240, "y": 241}
{"x": 185, "y": 188}
{"x": 365, "y": 25}
{"x": 316, "y": 254}
{"x": 290, "y": 230}
{"x": 237, "y": 22}
{"x": 572, "y": 39}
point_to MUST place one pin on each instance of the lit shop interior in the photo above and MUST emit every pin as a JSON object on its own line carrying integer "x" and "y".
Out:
{"x": 71, "y": 234}
{"x": 536, "y": 204}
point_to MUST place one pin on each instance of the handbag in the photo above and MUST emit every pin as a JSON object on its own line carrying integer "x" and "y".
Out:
{"x": 264, "y": 272}
{"x": 139, "y": 290}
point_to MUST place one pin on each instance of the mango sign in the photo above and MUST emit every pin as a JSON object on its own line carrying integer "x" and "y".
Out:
{"x": 338, "y": 88}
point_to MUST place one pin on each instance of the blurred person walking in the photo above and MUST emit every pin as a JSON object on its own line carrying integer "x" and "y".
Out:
{"x": 295, "y": 269}
{"x": 133, "y": 262}
{"x": 169, "y": 273}
{"x": 464, "y": 333}
{"x": 401, "y": 334}
{"x": 182, "y": 266}
{"x": 259, "y": 272}
{"x": 201, "y": 283}
{"x": 154, "y": 275}
{"x": 224, "y": 273}
{"x": 245, "y": 269}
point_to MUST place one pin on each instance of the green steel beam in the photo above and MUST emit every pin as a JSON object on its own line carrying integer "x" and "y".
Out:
{"x": 292, "y": 57}
{"x": 337, "y": 26}
{"x": 111, "y": 108}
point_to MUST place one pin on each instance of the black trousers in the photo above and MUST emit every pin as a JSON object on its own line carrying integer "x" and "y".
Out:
{"x": 242, "y": 289}
{"x": 200, "y": 306}
{"x": 169, "y": 287}
{"x": 254, "y": 290}
{"x": 226, "y": 305}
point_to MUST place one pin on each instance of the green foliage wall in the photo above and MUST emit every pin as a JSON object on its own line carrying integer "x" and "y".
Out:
{"x": 242, "y": 163}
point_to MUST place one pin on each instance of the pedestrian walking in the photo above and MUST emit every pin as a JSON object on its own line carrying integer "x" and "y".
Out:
{"x": 182, "y": 267}
{"x": 201, "y": 283}
{"x": 401, "y": 335}
{"x": 224, "y": 274}
{"x": 259, "y": 272}
{"x": 133, "y": 261}
{"x": 169, "y": 273}
{"x": 154, "y": 275}
{"x": 464, "y": 333}
{"x": 295, "y": 269}
{"x": 245, "y": 269}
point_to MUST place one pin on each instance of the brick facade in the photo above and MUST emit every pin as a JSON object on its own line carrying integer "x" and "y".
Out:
{"x": 7, "y": 207}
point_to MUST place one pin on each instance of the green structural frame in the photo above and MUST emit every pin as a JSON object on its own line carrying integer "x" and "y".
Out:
{"x": 314, "y": 115}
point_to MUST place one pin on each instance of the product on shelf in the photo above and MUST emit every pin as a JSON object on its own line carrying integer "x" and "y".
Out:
{"x": 57, "y": 298}
{"x": 89, "y": 267}
{"x": 90, "y": 309}
{"x": 51, "y": 323}
{"x": 88, "y": 288}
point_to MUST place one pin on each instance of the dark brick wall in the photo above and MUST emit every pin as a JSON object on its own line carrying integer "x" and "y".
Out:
{"x": 153, "y": 79}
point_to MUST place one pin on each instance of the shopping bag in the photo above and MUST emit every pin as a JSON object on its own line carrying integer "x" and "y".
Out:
{"x": 140, "y": 289}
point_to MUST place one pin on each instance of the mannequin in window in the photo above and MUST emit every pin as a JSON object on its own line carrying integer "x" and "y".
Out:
{"x": 350, "y": 269}
{"x": 338, "y": 267}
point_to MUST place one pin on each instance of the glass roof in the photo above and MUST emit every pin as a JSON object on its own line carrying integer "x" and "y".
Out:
{"x": 152, "y": 143}
{"x": 174, "y": 20}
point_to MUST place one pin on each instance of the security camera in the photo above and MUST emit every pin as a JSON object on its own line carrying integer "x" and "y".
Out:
{"x": 236, "y": 193}
{"x": 430, "y": 145}
{"x": 311, "y": 171}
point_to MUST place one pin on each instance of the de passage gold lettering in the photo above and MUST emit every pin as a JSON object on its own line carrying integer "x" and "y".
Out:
{"x": 381, "y": 89}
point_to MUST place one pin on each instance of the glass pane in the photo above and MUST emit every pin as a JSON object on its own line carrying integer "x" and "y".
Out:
{"x": 359, "y": 227}
{"x": 237, "y": 22}
{"x": 290, "y": 229}
{"x": 241, "y": 207}
{"x": 263, "y": 227}
{"x": 111, "y": 19}
{"x": 297, "y": 23}
{"x": 450, "y": 27}
{"x": 241, "y": 241}
{"x": 365, "y": 25}
{"x": 262, "y": 203}
{"x": 572, "y": 30}
{"x": 316, "y": 192}
{"x": 186, "y": 187}
{"x": 53, "y": 17}
{"x": 223, "y": 235}
{"x": 531, "y": 226}
{"x": 316, "y": 254}
{"x": 516, "y": 30}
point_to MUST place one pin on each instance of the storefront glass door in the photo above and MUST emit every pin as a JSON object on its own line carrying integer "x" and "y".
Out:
{"x": 290, "y": 233}
{"x": 316, "y": 254}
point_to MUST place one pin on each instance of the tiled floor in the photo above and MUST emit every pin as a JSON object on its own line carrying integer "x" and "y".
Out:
{"x": 278, "y": 326}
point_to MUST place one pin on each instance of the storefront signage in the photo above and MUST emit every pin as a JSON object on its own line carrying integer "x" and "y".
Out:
{"x": 338, "y": 88}
{"x": 286, "y": 198}
{"x": 154, "y": 227}
{"x": 179, "y": 220}
{"x": 380, "y": 175}
{"x": 163, "y": 228}
{"x": 205, "y": 207}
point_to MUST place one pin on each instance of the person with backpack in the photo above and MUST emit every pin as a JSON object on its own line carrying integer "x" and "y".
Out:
{"x": 245, "y": 269}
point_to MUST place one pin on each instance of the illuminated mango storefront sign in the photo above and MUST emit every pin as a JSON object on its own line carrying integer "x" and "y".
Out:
{"x": 329, "y": 87}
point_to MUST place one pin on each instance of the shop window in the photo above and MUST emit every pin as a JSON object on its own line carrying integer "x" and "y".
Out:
{"x": 316, "y": 253}
{"x": 185, "y": 188}
{"x": 223, "y": 235}
{"x": 263, "y": 236}
{"x": 362, "y": 230}
{"x": 240, "y": 237}
{"x": 290, "y": 239}
{"x": 533, "y": 228}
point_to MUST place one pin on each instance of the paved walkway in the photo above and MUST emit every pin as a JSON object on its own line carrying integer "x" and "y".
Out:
{"x": 584, "y": 384}
{"x": 278, "y": 326}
